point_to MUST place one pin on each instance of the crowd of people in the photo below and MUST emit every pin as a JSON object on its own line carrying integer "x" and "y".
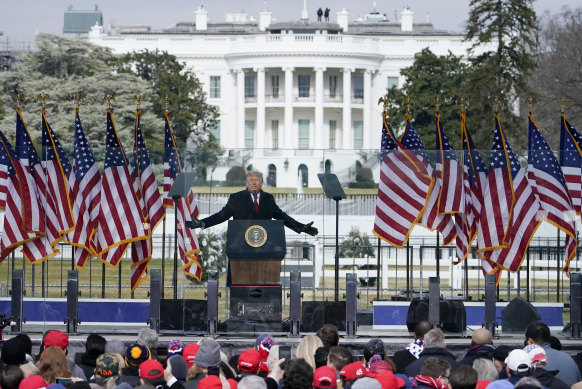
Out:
{"x": 319, "y": 361}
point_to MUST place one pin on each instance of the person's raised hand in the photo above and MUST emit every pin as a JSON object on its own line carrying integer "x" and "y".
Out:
{"x": 309, "y": 229}
{"x": 194, "y": 223}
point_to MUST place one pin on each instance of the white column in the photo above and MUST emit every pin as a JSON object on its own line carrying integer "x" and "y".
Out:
{"x": 261, "y": 130}
{"x": 367, "y": 108}
{"x": 347, "y": 110}
{"x": 288, "y": 140}
{"x": 240, "y": 108}
{"x": 318, "y": 136}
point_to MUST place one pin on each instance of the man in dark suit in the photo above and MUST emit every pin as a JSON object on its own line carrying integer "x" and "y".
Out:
{"x": 253, "y": 204}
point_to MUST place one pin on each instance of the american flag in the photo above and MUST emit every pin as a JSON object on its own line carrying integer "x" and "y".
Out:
{"x": 57, "y": 169}
{"x": 39, "y": 249}
{"x": 549, "y": 185}
{"x": 474, "y": 178}
{"x": 445, "y": 198}
{"x": 85, "y": 184}
{"x": 187, "y": 207}
{"x": 150, "y": 201}
{"x": 120, "y": 218}
{"x": 571, "y": 161}
{"x": 496, "y": 211}
{"x": 405, "y": 184}
{"x": 18, "y": 188}
{"x": 524, "y": 214}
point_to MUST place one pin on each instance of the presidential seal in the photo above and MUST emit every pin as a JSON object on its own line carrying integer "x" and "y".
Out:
{"x": 256, "y": 236}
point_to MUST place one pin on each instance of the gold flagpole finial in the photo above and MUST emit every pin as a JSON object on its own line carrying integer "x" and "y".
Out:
{"x": 563, "y": 102}
{"x": 496, "y": 101}
{"x": 408, "y": 102}
{"x": 42, "y": 97}
{"x": 530, "y": 103}
{"x": 78, "y": 100}
{"x": 166, "y": 100}
{"x": 438, "y": 101}
{"x": 109, "y": 97}
{"x": 463, "y": 102}
{"x": 137, "y": 99}
{"x": 385, "y": 101}
{"x": 19, "y": 97}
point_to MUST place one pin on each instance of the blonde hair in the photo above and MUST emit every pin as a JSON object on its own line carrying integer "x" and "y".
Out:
{"x": 307, "y": 347}
{"x": 53, "y": 363}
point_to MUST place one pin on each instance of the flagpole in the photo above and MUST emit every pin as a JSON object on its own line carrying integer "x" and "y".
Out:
{"x": 163, "y": 254}
{"x": 378, "y": 271}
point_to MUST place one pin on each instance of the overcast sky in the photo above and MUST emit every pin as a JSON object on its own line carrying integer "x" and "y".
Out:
{"x": 21, "y": 20}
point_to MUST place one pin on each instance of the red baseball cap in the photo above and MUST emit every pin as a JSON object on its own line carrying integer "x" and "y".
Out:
{"x": 33, "y": 382}
{"x": 151, "y": 369}
{"x": 379, "y": 367}
{"x": 324, "y": 377}
{"x": 210, "y": 382}
{"x": 189, "y": 354}
{"x": 249, "y": 360}
{"x": 56, "y": 338}
{"x": 389, "y": 381}
{"x": 353, "y": 370}
{"x": 233, "y": 384}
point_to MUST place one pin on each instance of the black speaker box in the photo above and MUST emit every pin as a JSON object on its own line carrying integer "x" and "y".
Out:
{"x": 314, "y": 314}
{"x": 256, "y": 303}
{"x": 453, "y": 317}
{"x": 517, "y": 315}
{"x": 183, "y": 315}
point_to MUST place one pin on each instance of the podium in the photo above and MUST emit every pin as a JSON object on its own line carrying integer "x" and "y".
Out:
{"x": 255, "y": 249}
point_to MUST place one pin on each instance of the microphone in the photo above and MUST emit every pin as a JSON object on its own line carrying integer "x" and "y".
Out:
{"x": 254, "y": 192}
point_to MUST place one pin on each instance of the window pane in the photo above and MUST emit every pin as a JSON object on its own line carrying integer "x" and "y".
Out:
{"x": 392, "y": 82}
{"x": 275, "y": 85}
{"x": 250, "y": 86}
{"x": 214, "y": 127}
{"x": 214, "y": 87}
{"x": 303, "y": 85}
{"x": 303, "y": 134}
{"x": 332, "y": 127}
{"x": 358, "y": 135}
{"x": 332, "y": 86}
{"x": 275, "y": 130}
{"x": 358, "y": 87}
{"x": 249, "y": 134}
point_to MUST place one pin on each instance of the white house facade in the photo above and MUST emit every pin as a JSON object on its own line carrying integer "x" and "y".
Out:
{"x": 295, "y": 98}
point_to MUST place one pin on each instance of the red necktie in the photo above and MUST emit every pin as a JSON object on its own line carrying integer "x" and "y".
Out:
{"x": 256, "y": 204}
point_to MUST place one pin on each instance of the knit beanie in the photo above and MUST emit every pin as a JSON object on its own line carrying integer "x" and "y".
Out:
{"x": 136, "y": 354}
{"x": 13, "y": 352}
{"x": 209, "y": 354}
{"x": 179, "y": 368}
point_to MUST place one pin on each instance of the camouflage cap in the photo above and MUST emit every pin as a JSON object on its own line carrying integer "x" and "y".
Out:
{"x": 107, "y": 366}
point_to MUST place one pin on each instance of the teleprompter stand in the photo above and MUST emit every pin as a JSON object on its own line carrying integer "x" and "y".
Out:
{"x": 333, "y": 190}
{"x": 179, "y": 189}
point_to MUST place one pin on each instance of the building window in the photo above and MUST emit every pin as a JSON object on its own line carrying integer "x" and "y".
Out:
{"x": 275, "y": 133}
{"x": 332, "y": 86}
{"x": 303, "y": 134}
{"x": 250, "y": 85}
{"x": 249, "y": 134}
{"x": 392, "y": 82}
{"x": 275, "y": 86}
{"x": 215, "y": 87}
{"x": 358, "y": 135}
{"x": 214, "y": 128}
{"x": 272, "y": 175}
{"x": 332, "y": 132}
{"x": 358, "y": 87}
{"x": 303, "y": 85}
{"x": 303, "y": 173}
